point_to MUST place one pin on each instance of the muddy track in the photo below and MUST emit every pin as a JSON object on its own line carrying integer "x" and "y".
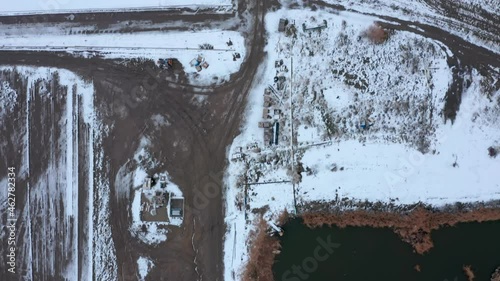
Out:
{"x": 486, "y": 23}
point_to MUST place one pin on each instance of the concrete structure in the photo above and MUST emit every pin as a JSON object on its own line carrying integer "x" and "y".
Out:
{"x": 276, "y": 129}
{"x": 315, "y": 28}
{"x": 147, "y": 184}
{"x": 265, "y": 124}
{"x": 266, "y": 113}
{"x": 163, "y": 182}
{"x": 282, "y": 25}
{"x": 176, "y": 206}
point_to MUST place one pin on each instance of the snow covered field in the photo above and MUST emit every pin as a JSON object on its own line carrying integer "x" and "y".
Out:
{"x": 54, "y": 192}
{"x": 80, "y": 6}
{"x": 340, "y": 83}
{"x": 185, "y": 46}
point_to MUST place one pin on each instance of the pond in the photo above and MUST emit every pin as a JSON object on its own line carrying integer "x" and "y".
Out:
{"x": 364, "y": 254}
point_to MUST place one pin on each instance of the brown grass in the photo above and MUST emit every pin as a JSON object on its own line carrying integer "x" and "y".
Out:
{"x": 376, "y": 34}
{"x": 283, "y": 217}
{"x": 417, "y": 268}
{"x": 469, "y": 273}
{"x": 262, "y": 254}
{"x": 414, "y": 228}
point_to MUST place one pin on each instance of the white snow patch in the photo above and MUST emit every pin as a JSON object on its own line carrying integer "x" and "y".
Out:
{"x": 160, "y": 120}
{"x": 144, "y": 265}
{"x": 183, "y": 46}
{"x": 139, "y": 176}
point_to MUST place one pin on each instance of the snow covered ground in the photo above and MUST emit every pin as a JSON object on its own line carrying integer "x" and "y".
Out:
{"x": 185, "y": 46}
{"x": 80, "y": 6}
{"x": 340, "y": 81}
{"x": 144, "y": 265}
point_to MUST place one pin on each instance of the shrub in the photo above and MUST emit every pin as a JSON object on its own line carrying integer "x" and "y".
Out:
{"x": 376, "y": 34}
{"x": 206, "y": 46}
{"x": 492, "y": 152}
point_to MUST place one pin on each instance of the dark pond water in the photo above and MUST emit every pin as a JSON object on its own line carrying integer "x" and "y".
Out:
{"x": 377, "y": 254}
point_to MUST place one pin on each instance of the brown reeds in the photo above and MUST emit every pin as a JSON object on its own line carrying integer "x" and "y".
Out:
{"x": 414, "y": 228}
{"x": 262, "y": 254}
{"x": 376, "y": 34}
{"x": 469, "y": 273}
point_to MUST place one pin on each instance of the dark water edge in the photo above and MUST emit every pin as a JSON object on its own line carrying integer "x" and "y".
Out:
{"x": 365, "y": 253}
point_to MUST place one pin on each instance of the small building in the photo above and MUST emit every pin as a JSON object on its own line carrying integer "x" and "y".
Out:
{"x": 237, "y": 156}
{"x": 268, "y": 136}
{"x": 266, "y": 113}
{"x": 148, "y": 183}
{"x": 282, "y": 24}
{"x": 277, "y": 112}
{"x": 264, "y": 124}
{"x": 166, "y": 63}
{"x": 315, "y": 28}
{"x": 276, "y": 129}
{"x": 163, "y": 181}
{"x": 198, "y": 63}
{"x": 194, "y": 62}
{"x": 280, "y": 82}
{"x": 267, "y": 101}
{"x": 278, "y": 63}
{"x": 176, "y": 207}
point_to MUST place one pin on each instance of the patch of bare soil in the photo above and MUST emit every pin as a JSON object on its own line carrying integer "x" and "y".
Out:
{"x": 414, "y": 227}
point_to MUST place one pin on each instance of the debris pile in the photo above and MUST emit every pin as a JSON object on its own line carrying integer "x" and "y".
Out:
{"x": 199, "y": 63}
